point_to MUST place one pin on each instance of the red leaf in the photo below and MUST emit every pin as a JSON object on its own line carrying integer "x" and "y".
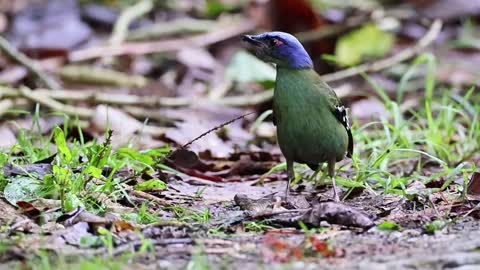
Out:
{"x": 474, "y": 184}
{"x": 322, "y": 247}
{"x": 28, "y": 209}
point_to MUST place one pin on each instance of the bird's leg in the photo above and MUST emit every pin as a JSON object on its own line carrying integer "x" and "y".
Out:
{"x": 331, "y": 173}
{"x": 290, "y": 175}
{"x": 324, "y": 173}
{"x": 313, "y": 178}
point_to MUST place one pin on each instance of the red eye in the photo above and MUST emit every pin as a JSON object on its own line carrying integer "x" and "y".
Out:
{"x": 276, "y": 42}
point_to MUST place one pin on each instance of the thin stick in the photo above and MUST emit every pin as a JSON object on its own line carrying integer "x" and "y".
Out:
{"x": 6, "y": 105}
{"x": 120, "y": 30}
{"x": 215, "y": 128}
{"x": 12, "y": 53}
{"x": 170, "y": 28}
{"x": 150, "y": 197}
{"x": 171, "y": 45}
{"x": 55, "y": 105}
{"x": 97, "y": 97}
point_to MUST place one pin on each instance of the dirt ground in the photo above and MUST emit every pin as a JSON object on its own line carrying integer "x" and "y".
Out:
{"x": 179, "y": 245}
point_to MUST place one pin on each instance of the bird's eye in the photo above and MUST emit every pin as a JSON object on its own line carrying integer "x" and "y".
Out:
{"x": 275, "y": 42}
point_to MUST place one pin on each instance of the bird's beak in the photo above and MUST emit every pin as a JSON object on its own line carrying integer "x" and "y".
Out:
{"x": 252, "y": 41}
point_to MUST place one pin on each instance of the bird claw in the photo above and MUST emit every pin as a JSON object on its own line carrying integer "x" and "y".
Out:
{"x": 336, "y": 198}
{"x": 335, "y": 193}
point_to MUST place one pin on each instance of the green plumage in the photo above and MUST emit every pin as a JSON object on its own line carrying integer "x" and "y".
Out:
{"x": 312, "y": 127}
{"x": 308, "y": 131}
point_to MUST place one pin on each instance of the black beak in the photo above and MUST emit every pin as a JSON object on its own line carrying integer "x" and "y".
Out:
{"x": 247, "y": 38}
{"x": 252, "y": 40}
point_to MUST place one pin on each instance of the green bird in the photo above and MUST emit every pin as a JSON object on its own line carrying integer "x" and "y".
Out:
{"x": 312, "y": 125}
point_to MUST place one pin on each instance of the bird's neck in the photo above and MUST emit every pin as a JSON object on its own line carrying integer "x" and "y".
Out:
{"x": 294, "y": 77}
{"x": 282, "y": 70}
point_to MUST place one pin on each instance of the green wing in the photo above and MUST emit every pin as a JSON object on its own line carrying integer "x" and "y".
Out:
{"x": 339, "y": 111}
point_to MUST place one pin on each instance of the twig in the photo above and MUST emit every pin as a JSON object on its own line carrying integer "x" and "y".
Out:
{"x": 104, "y": 98}
{"x": 120, "y": 29}
{"x": 139, "y": 48}
{"x": 408, "y": 53}
{"x": 162, "y": 160}
{"x": 95, "y": 75}
{"x": 150, "y": 197}
{"x": 215, "y": 128}
{"x": 170, "y": 28}
{"x": 6, "y": 105}
{"x": 55, "y": 105}
{"x": 31, "y": 66}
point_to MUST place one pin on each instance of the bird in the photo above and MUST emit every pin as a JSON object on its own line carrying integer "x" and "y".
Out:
{"x": 312, "y": 125}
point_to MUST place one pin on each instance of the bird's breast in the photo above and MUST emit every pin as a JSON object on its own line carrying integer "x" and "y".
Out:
{"x": 307, "y": 131}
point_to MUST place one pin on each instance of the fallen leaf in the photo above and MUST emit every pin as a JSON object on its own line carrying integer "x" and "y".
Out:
{"x": 184, "y": 158}
{"x": 474, "y": 184}
{"x": 321, "y": 247}
{"x": 39, "y": 170}
{"x": 121, "y": 226}
{"x": 152, "y": 184}
{"x": 279, "y": 250}
{"x": 28, "y": 209}
{"x": 389, "y": 226}
{"x": 366, "y": 42}
{"x": 21, "y": 188}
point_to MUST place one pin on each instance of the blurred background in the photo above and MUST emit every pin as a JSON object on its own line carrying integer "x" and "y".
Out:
{"x": 170, "y": 70}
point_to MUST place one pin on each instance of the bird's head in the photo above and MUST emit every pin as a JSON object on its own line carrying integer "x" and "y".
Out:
{"x": 280, "y": 48}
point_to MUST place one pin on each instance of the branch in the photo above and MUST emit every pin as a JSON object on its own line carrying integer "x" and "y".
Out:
{"x": 171, "y": 45}
{"x": 170, "y": 28}
{"x": 103, "y": 76}
{"x": 18, "y": 57}
{"x": 55, "y": 105}
{"x": 99, "y": 97}
{"x": 120, "y": 30}
{"x": 215, "y": 128}
{"x": 6, "y": 105}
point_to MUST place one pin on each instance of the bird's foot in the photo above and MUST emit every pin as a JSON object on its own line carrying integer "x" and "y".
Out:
{"x": 335, "y": 193}
{"x": 336, "y": 198}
